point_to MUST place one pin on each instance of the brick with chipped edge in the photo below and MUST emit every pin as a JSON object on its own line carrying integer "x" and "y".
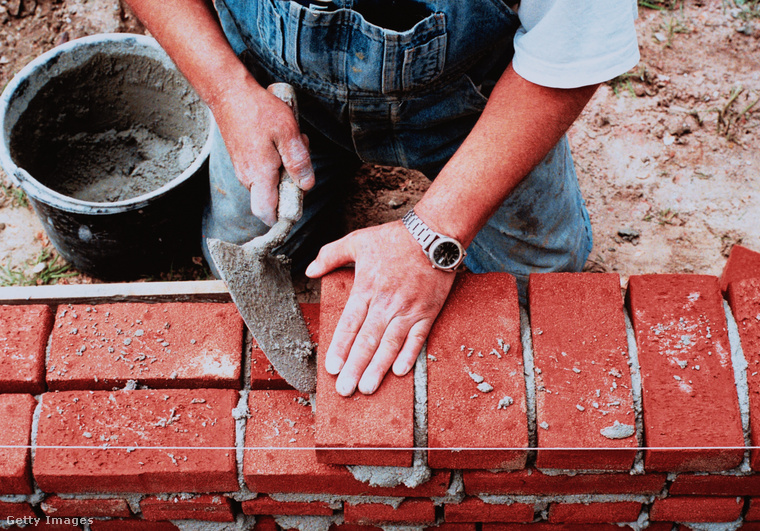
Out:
{"x": 207, "y": 507}
{"x": 583, "y": 381}
{"x": 266, "y": 505}
{"x": 269, "y": 466}
{"x": 411, "y": 511}
{"x": 689, "y": 397}
{"x": 175, "y": 419}
{"x": 481, "y": 313}
{"x": 594, "y": 513}
{"x": 361, "y": 429}
{"x": 24, "y": 331}
{"x": 696, "y": 509}
{"x": 476, "y": 510}
{"x": 742, "y": 263}
{"x": 16, "y": 411}
{"x": 534, "y": 482}
{"x": 166, "y": 345}
{"x": 88, "y": 507}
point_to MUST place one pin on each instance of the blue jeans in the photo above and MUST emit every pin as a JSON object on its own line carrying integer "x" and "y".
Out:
{"x": 405, "y": 97}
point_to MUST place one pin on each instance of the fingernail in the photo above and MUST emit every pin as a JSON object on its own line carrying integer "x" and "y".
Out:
{"x": 344, "y": 388}
{"x": 368, "y": 388}
{"x": 333, "y": 365}
{"x": 311, "y": 269}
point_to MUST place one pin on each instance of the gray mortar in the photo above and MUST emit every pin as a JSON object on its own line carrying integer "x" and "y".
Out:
{"x": 241, "y": 414}
{"x": 503, "y": 499}
{"x": 242, "y": 523}
{"x": 530, "y": 382}
{"x": 336, "y": 500}
{"x": 116, "y": 127}
{"x": 307, "y": 523}
{"x": 419, "y": 472}
{"x": 740, "y": 365}
{"x": 722, "y": 526}
{"x": 636, "y": 389}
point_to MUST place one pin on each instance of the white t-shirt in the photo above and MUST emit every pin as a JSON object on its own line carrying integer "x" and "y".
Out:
{"x": 572, "y": 43}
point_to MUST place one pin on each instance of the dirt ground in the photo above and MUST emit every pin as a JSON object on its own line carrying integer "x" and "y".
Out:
{"x": 668, "y": 155}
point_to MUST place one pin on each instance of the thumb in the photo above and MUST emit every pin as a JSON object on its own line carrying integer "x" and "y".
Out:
{"x": 331, "y": 256}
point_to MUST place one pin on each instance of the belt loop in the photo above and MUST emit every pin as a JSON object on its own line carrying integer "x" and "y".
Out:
{"x": 292, "y": 34}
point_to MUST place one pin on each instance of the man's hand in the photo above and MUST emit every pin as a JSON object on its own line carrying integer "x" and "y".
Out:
{"x": 262, "y": 135}
{"x": 394, "y": 301}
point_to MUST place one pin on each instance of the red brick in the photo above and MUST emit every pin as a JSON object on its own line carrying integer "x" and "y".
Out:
{"x": 750, "y": 526}
{"x": 15, "y": 510}
{"x": 263, "y": 375}
{"x": 206, "y": 507}
{"x": 168, "y": 345}
{"x": 265, "y": 523}
{"x": 451, "y": 526}
{"x": 744, "y": 299}
{"x": 266, "y": 505}
{"x": 270, "y": 465}
{"x": 481, "y": 310}
{"x": 166, "y": 422}
{"x": 753, "y": 513}
{"x": 353, "y": 527}
{"x": 92, "y": 507}
{"x": 413, "y": 512}
{"x": 350, "y": 429}
{"x": 594, "y": 513}
{"x": 679, "y": 321}
{"x": 16, "y": 412}
{"x": 742, "y": 263}
{"x": 696, "y": 509}
{"x": 583, "y": 380}
{"x": 545, "y": 526}
{"x": 476, "y": 510}
{"x": 533, "y": 482}
{"x": 715, "y": 485}
{"x": 24, "y": 332}
{"x": 132, "y": 525}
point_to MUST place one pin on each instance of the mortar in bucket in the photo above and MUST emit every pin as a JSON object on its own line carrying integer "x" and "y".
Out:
{"x": 110, "y": 144}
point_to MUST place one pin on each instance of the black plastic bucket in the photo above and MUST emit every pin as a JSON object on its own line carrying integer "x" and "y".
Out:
{"x": 111, "y": 145}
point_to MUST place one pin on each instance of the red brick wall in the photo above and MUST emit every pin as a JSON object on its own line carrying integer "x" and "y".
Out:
{"x": 142, "y": 415}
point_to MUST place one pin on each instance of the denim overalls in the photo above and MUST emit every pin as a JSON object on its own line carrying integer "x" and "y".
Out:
{"x": 398, "y": 83}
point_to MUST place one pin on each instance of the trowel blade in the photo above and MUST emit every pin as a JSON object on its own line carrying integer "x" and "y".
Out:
{"x": 262, "y": 289}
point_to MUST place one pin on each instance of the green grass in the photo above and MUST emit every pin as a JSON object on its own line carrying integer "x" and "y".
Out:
{"x": 15, "y": 195}
{"x": 46, "y": 268}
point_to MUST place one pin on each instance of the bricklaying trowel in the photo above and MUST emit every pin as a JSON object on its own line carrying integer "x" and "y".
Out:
{"x": 262, "y": 288}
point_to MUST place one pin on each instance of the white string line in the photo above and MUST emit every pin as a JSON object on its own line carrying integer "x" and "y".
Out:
{"x": 365, "y": 448}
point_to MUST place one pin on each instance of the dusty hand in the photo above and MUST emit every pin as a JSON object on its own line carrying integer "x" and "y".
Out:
{"x": 395, "y": 298}
{"x": 261, "y": 135}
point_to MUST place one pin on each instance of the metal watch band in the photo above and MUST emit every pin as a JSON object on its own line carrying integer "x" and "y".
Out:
{"x": 424, "y": 235}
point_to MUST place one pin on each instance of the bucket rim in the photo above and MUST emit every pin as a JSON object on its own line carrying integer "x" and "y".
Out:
{"x": 38, "y": 191}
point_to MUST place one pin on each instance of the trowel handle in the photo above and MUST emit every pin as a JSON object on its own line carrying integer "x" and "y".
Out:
{"x": 290, "y": 203}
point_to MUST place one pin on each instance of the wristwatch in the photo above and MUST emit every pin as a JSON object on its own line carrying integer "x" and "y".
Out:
{"x": 444, "y": 252}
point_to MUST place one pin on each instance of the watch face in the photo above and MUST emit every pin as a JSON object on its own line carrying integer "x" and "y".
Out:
{"x": 446, "y": 254}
